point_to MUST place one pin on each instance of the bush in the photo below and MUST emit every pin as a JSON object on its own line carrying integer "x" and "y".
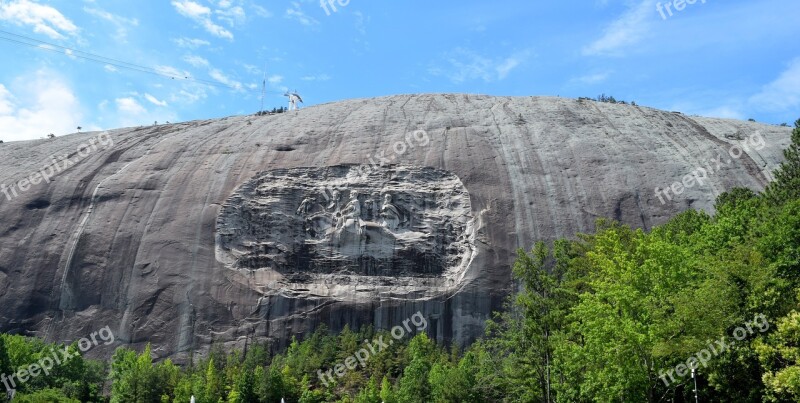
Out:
{"x": 45, "y": 395}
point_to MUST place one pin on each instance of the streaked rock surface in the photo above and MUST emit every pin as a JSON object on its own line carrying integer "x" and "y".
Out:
{"x": 391, "y": 231}
{"x": 148, "y": 235}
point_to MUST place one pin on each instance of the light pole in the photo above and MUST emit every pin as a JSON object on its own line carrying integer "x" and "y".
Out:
{"x": 694, "y": 376}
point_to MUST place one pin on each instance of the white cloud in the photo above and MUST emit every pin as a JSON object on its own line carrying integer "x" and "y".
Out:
{"x": 782, "y": 94}
{"x": 261, "y": 11}
{"x": 216, "y": 30}
{"x": 44, "y": 19}
{"x": 196, "y": 61}
{"x": 779, "y": 97}
{"x": 466, "y": 65}
{"x": 6, "y": 101}
{"x": 361, "y": 22}
{"x": 251, "y": 69}
{"x": 296, "y": 13}
{"x": 628, "y": 30}
{"x": 121, "y": 23}
{"x": 130, "y": 106}
{"x": 153, "y": 100}
{"x": 191, "y": 9}
{"x": 222, "y": 78}
{"x": 506, "y": 66}
{"x": 724, "y": 112}
{"x": 318, "y": 77}
{"x": 591, "y": 78}
{"x": 233, "y": 16}
{"x": 109, "y": 68}
{"x": 276, "y": 79}
{"x": 131, "y": 113}
{"x": 189, "y": 95}
{"x": 190, "y": 43}
{"x": 173, "y": 72}
{"x": 201, "y": 15}
{"x": 36, "y": 105}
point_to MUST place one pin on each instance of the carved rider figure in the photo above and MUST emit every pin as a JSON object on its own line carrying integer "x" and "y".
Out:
{"x": 351, "y": 216}
{"x": 305, "y": 206}
{"x": 334, "y": 200}
{"x": 390, "y": 214}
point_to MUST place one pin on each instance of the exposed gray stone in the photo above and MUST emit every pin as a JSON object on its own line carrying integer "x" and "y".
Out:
{"x": 389, "y": 230}
{"x": 148, "y": 236}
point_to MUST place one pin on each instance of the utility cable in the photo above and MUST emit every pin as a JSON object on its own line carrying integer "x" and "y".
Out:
{"x": 39, "y": 44}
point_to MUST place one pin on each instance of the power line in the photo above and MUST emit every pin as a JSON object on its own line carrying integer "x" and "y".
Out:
{"x": 102, "y": 59}
{"x": 25, "y": 40}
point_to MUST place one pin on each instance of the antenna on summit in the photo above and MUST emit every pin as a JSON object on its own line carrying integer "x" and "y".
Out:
{"x": 263, "y": 90}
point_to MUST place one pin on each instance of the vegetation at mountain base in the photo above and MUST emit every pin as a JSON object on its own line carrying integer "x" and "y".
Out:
{"x": 615, "y": 316}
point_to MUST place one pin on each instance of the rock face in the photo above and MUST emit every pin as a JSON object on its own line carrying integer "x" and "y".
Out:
{"x": 359, "y": 212}
{"x": 390, "y": 231}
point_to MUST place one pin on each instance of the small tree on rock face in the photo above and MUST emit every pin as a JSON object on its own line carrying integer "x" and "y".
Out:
{"x": 606, "y": 98}
{"x": 79, "y": 129}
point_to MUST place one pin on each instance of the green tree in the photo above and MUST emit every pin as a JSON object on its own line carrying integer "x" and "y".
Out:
{"x": 5, "y": 361}
{"x": 245, "y": 387}
{"x": 44, "y": 395}
{"x": 450, "y": 383}
{"x": 214, "y": 383}
{"x": 779, "y": 354}
{"x": 5, "y": 365}
{"x": 387, "y": 393}
{"x": 274, "y": 388}
{"x": 123, "y": 367}
{"x": 786, "y": 185}
{"x": 413, "y": 386}
{"x": 370, "y": 393}
{"x": 136, "y": 380}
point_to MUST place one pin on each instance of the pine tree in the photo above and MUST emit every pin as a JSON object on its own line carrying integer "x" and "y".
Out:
{"x": 245, "y": 387}
{"x": 370, "y": 393}
{"x": 5, "y": 362}
{"x": 5, "y": 365}
{"x": 786, "y": 185}
{"x": 387, "y": 395}
{"x": 214, "y": 387}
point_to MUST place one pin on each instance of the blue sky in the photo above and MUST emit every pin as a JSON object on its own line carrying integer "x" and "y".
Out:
{"x": 737, "y": 58}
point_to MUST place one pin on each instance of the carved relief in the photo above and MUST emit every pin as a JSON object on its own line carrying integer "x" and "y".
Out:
{"x": 343, "y": 220}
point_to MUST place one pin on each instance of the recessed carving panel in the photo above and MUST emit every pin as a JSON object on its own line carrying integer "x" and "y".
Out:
{"x": 374, "y": 223}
